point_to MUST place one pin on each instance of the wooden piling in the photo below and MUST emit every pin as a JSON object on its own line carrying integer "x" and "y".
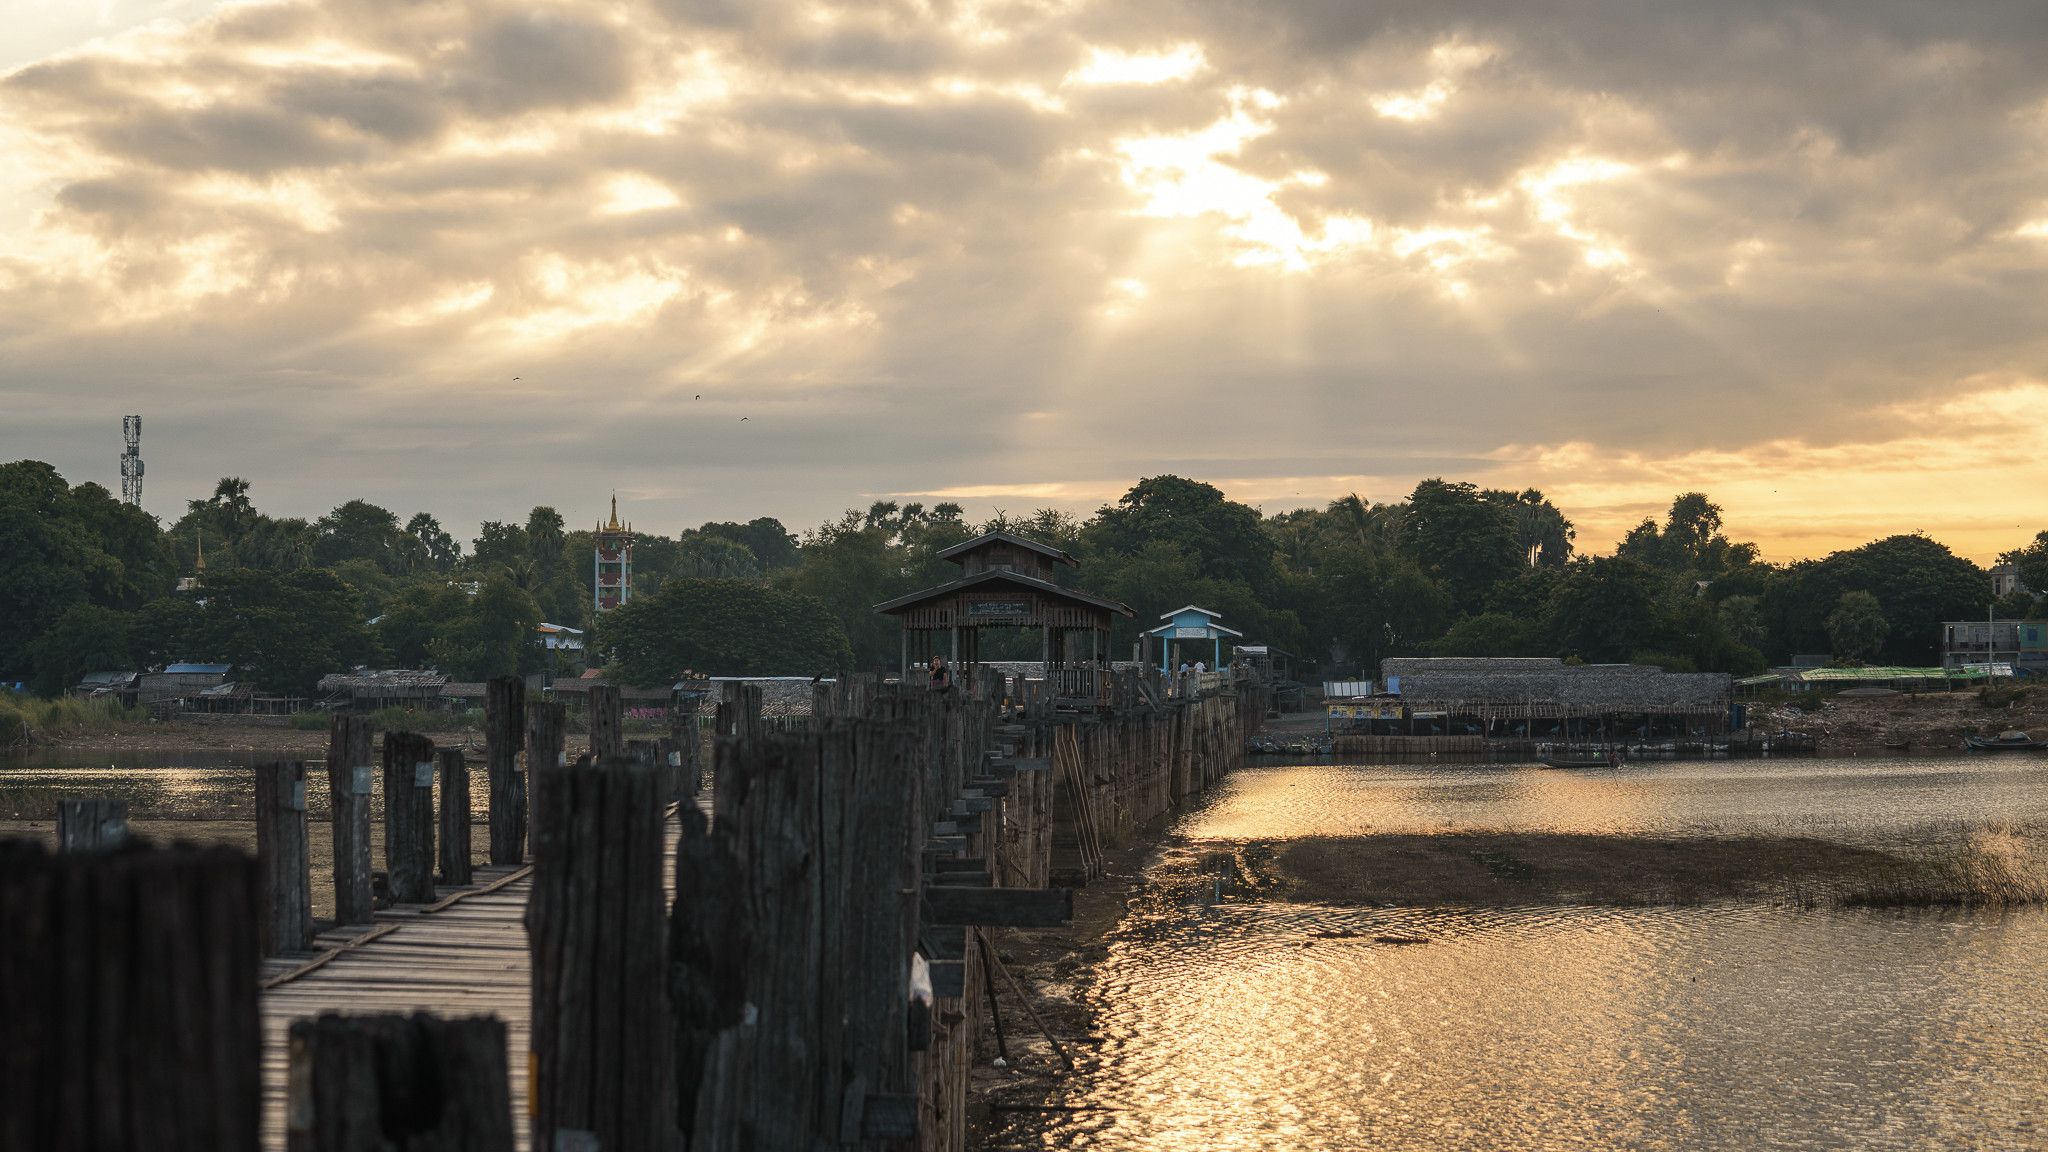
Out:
{"x": 454, "y": 840}
{"x": 409, "y": 817}
{"x": 607, "y": 722}
{"x": 350, "y": 778}
{"x": 378, "y": 1083}
{"x": 128, "y": 999}
{"x": 546, "y": 741}
{"x": 91, "y": 823}
{"x": 710, "y": 942}
{"x": 504, "y": 737}
{"x": 603, "y": 1035}
{"x": 285, "y": 908}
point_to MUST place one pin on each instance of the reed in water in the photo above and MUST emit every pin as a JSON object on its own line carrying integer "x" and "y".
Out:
{"x": 1979, "y": 866}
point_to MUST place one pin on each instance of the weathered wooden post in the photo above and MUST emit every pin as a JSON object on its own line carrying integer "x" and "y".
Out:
{"x": 409, "y": 817}
{"x": 91, "y": 823}
{"x": 454, "y": 839}
{"x": 128, "y": 999}
{"x": 709, "y": 946}
{"x": 603, "y": 1037}
{"x": 373, "y": 1083}
{"x": 284, "y": 870}
{"x": 546, "y": 725}
{"x": 350, "y": 775}
{"x": 607, "y": 722}
{"x": 688, "y": 743}
{"x": 504, "y": 736}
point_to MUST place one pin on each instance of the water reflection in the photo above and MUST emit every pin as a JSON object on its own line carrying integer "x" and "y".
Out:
{"x": 1862, "y": 797}
{"x": 1538, "y": 1028}
{"x": 209, "y": 784}
{"x": 1714, "y": 1028}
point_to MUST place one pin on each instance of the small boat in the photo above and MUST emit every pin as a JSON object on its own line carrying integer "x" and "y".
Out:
{"x": 2006, "y": 742}
{"x": 1899, "y": 745}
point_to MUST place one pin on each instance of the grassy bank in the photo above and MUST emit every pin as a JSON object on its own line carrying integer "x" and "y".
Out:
{"x": 26, "y": 721}
{"x": 1983, "y": 867}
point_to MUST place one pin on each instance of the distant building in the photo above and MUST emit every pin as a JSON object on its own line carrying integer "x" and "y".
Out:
{"x": 1544, "y": 697}
{"x": 119, "y": 686}
{"x": 560, "y": 638}
{"x": 2020, "y": 643}
{"x": 367, "y": 691}
{"x": 2005, "y": 580}
{"x": 614, "y": 562}
{"x": 178, "y": 684}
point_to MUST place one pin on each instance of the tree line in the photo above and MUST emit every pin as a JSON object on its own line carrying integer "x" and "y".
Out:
{"x": 1452, "y": 569}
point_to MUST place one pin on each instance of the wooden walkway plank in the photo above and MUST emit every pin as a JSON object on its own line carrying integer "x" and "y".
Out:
{"x": 464, "y": 955}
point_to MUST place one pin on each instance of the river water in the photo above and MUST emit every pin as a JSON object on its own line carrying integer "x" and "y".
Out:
{"x": 1727, "y": 1026}
{"x": 1734, "y": 1026}
{"x": 193, "y": 785}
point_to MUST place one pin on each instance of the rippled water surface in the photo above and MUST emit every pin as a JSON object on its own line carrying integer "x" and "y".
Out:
{"x": 204, "y": 784}
{"x": 1680, "y": 1028}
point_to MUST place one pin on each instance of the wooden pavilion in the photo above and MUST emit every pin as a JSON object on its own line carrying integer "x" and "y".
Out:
{"x": 1006, "y": 581}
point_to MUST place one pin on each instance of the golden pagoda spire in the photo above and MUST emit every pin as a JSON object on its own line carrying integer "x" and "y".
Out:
{"x": 200, "y": 537}
{"x": 613, "y": 525}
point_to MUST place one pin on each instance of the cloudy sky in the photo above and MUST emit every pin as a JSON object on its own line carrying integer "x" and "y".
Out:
{"x": 744, "y": 257}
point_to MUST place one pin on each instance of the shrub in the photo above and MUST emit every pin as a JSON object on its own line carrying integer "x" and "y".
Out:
{"x": 31, "y": 719}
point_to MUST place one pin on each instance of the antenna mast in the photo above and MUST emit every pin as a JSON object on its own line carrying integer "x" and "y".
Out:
{"x": 131, "y": 461}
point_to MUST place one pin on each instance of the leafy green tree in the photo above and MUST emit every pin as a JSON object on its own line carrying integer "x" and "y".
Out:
{"x": 1691, "y": 541}
{"x": 1465, "y": 540}
{"x": 61, "y": 546}
{"x": 1605, "y": 608}
{"x": 282, "y": 631}
{"x": 491, "y": 636}
{"x": 849, "y": 569}
{"x": 500, "y": 547}
{"x": 1381, "y": 606}
{"x": 1224, "y": 537}
{"x": 431, "y": 547}
{"x": 360, "y": 530}
{"x": 86, "y": 638}
{"x": 546, "y": 540}
{"x": 1743, "y": 617}
{"x": 1490, "y": 634}
{"x": 2030, "y": 564}
{"x": 1919, "y": 582}
{"x": 764, "y": 538}
{"x": 1857, "y": 626}
{"x": 723, "y": 628}
{"x": 417, "y": 617}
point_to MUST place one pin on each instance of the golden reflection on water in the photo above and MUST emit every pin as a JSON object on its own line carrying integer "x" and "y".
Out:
{"x": 200, "y": 786}
{"x": 1727, "y": 1026}
{"x": 1573, "y": 1028}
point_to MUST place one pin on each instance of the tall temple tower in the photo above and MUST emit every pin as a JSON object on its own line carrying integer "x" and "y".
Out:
{"x": 614, "y": 561}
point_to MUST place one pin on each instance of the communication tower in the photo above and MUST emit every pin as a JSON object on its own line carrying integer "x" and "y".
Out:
{"x": 131, "y": 461}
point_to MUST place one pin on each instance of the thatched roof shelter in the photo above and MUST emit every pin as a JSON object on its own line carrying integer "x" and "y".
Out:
{"x": 1543, "y": 688}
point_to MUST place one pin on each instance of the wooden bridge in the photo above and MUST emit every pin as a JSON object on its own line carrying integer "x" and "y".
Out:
{"x": 843, "y": 864}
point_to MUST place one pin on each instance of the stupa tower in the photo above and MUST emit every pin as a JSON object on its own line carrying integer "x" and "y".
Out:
{"x": 614, "y": 561}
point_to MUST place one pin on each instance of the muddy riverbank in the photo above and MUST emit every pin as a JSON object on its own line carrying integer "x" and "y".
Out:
{"x": 1927, "y": 722}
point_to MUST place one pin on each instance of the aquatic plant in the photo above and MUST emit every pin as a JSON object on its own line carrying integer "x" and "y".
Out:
{"x": 29, "y": 720}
